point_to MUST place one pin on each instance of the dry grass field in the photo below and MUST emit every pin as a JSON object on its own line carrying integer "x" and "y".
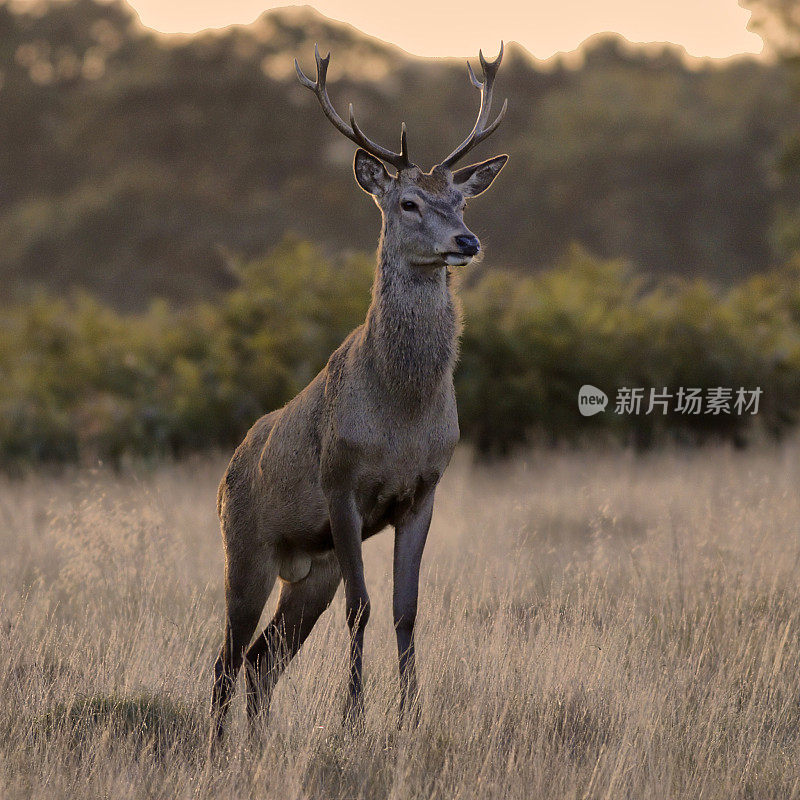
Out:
{"x": 593, "y": 625}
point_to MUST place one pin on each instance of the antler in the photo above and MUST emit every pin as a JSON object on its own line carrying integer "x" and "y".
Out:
{"x": 480, "y": 131}
{"x": 399, "y": 160}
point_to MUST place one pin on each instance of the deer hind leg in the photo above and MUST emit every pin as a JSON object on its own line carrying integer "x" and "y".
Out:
{"x": 248, "y": 582}
{"x": 300, "y": 605}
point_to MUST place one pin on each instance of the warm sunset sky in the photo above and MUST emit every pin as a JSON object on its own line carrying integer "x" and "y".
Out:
{"x": 704, "y": 27}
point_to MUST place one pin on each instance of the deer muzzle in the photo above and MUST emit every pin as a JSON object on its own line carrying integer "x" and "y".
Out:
{"x": 468, "y": 244}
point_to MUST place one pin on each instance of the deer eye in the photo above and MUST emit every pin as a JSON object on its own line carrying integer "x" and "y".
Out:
{"x": 409, "y": 205}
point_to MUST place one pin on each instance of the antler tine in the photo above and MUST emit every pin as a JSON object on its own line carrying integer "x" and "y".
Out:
{"x": 399, "y": 160}
{"x": 320, "y": 90}
{"x": 475, "y": 82}
{"x": 480, "y": 131}
{"x": 403, "y": 141}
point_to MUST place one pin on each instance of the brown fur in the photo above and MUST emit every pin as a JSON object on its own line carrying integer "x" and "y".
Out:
{"x": 436, "y": 181}
{"x": 361, "y": 447}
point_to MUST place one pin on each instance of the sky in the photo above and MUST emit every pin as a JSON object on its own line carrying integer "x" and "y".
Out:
{"x": 716, "y": 28}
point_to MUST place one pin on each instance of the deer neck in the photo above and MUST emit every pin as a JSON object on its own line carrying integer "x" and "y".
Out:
{"x": 412, "y": 327}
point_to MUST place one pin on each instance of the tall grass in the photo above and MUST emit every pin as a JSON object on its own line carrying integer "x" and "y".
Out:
{"x": 593, "y": 625}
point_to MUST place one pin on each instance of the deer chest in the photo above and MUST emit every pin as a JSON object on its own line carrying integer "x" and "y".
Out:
{"x": 389, "y": 484}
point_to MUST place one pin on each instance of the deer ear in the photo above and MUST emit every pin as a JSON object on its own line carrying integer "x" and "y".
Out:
{"x": 370, "y": 173}
{"x": 477, "y": 178}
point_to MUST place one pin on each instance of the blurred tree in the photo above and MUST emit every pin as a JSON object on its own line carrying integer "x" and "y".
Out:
{"x": 778, "y": 24}
{"x": 132, "y": 162}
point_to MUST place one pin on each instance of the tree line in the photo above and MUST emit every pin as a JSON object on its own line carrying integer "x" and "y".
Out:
{"x": 136, "y": 166}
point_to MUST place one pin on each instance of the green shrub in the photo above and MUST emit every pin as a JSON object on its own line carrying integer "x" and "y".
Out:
{"x": 531, "y": 343}
{"x": 79, "y": 381}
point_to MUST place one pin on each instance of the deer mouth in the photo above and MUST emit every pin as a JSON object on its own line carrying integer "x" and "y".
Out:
{"x": 457, "y": 259}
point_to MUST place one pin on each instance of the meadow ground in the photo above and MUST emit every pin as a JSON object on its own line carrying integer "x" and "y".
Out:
{"x": 593, "y": 625}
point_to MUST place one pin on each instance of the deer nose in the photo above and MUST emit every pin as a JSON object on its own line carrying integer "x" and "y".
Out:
{"x": 468, "y": 244}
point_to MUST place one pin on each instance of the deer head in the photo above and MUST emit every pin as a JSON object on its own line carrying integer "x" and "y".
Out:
{"x": 422, "y": 211}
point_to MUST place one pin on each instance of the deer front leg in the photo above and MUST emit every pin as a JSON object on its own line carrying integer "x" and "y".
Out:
{"x": 346, "y": 532}
{"x": 409, "y": 542}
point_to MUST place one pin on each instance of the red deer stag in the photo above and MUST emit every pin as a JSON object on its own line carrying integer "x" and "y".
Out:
{"x": 364, "y": 445}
